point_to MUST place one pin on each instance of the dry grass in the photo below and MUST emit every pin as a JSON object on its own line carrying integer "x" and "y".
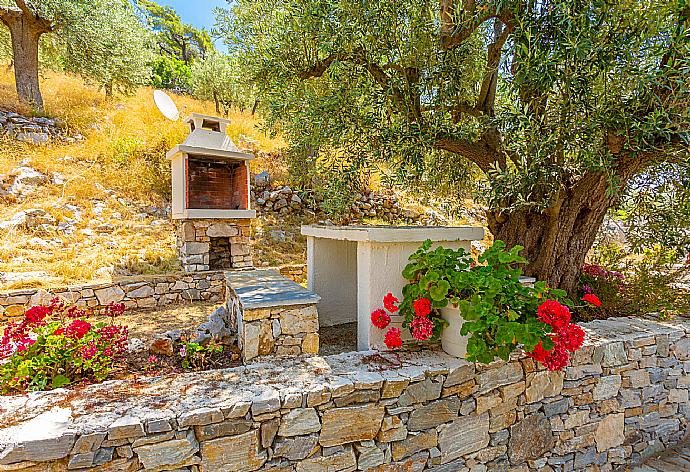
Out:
{"x": 123, "y": 151}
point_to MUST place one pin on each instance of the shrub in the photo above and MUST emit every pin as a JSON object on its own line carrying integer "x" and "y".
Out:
{"x": 196, "y": 356}
{"x": 500, "y": 313}
{"x": 632, "y": 285}
{"x": 56, "y": 345}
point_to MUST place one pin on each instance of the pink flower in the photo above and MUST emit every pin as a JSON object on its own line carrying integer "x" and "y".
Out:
{"x": 152, "y": 359}
{"x": 422, "y": 307}
{"x": 422, "y": 328}
{"x": 183, "y": 351}
{"x": 393, "y": 339}
{"x": 380, "y": 318}
{"x": 389, "y": 302}
{"x": 36, "y": 314}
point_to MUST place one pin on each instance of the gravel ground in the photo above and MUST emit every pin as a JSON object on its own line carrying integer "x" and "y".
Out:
{"x": 337, "y": 339}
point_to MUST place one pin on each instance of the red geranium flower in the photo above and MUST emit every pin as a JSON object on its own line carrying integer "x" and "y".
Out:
{"x": 389, "y": 302}
{"x": 554, "y": 314}
{"x": 555, "y": 359}
{"x": 539, "y": 354}
{"x": 572, "y": 337}
{"x": 380, "y": 318}
{"x": 36, "y": 314}
{"x": 422, "y": 328}
{"x": 591, "y": 298}
{"x": 422, "y": 307}
{"x": 77, "y": 329}
{"x": 393, "y": 339}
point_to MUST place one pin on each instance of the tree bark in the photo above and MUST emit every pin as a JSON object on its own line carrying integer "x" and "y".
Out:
{"x": 556, "y": 241}
{"x": 25, "y": 30}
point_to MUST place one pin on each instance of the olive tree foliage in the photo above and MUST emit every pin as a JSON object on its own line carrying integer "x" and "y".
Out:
{"x": 101, "y": 39}
{"x": 559, "y": 104}
{"x": 218, "y": 78}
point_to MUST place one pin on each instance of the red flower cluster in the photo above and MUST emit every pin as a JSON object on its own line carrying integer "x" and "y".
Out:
{"x": 554, "y": 314}
{"x": 380, "y": 318}
{"x": 591, "y": 298}
{"x": 36, "y": 314}
{"x": 567, "y": 337}
{"x": 77, "y": 329}
{"x": 389, "y": 302}
{"x": 422, "y": 307}
{"x": 422, "y": 328}
{"x": 393, "y": 339}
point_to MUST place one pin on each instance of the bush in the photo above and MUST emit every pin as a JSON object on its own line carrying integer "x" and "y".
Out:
{"x": 633, "y": 285}
{"x": 56, "y": 345}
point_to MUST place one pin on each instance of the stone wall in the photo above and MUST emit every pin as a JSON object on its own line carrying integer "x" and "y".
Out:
{"x": 294, "y": 272}
{"x": 625, "y": 396}
{"x": 195, "y": 240}
{"x": 134, "y": 292}
{"x": 282, "y": 331}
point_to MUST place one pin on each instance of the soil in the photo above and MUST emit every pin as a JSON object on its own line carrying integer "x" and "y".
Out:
{"x": 338, "y": 339}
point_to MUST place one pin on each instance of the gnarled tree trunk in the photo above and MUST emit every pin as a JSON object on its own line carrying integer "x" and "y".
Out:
{"x": 26, "y": 29}
{"x": 556, "y": 241}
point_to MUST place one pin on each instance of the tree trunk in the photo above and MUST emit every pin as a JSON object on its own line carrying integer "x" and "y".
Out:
{"x": 255, "y": 106}
{"x": 108, "y": 90}
{"x": 215, "y": 99}
{"x": 557, "y": 241}
{"x": 25, "y": 35}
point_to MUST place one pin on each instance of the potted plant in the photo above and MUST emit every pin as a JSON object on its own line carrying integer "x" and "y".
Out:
{"x": 481, "y": 310}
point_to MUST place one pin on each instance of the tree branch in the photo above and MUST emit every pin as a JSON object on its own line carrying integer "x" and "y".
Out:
{"x": 487, "y": 93}
{"x": 479, "y": 152}
{"x": 25, "y": 8}
{"x": 9, "y": 14}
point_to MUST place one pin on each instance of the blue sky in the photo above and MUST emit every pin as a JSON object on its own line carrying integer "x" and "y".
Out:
{"x": 198, "y": 13}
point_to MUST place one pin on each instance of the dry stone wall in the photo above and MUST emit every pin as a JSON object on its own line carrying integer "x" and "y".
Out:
{"x": 625, "y": 396}
{"x": 134, "y": 292}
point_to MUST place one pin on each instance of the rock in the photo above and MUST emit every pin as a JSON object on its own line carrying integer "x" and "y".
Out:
{"x": 610, "y": 432}
{"x": 109, "y": 295}
{"x": 530, "y": 438}
{"x": 135, "y": 345}
{"x": 199, "y": 417}
{"x": 222, "y": 230}
{"x": 340, "y": 461}
{"x": 506, "y": 374}
{"x": 46, "y": 437}
{"x": 278, "y": 235}
{"x": 29, "y": 176}
{"x": 236, "y": 453}
{"x": 125, "y": 427}
{"x": 141, "y": 292}
{"x": 262, "y": 178}
{"x": 465, "y": 435}
{"x": 33, "y": 137}
{"x": 607, "y": 387}
{"x": 433, "y": 414}
{"x": 310, "y": 344}
{"x": 610, "y": 354}
{"x": 369, "y": 457}
{"x": 230, "y": 427}
{"x": 167, "y": 453}
{"x": 413, "y": 444}
{"x": 296, "y": 449}
{"x": 299, "y": 422}
{"x": 350, "y": 424}
{"x": 543, "y": 384}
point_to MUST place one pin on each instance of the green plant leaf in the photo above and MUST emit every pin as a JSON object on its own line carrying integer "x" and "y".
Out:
{"x": 59, "y": 381}
{"x": 439, "y": 291}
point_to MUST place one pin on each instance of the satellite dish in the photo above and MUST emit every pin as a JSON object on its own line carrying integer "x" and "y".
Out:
{"x": 165, "y": 105}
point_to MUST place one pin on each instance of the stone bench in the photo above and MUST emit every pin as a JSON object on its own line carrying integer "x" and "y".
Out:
{"x": 272, "y": 314}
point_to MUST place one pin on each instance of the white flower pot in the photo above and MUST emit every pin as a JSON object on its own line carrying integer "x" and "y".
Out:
{"x": 452, "y": 341}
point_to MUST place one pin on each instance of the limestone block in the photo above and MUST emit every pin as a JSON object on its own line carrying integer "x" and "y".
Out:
{"x": 310, "y": 344}
{"x": 296, "y": 448}
{"x": 200, "y": 417}
{"x": 299, "y": 422}
{"x": 496, "y": 377}
{"x": 610, "y": 432}
{"x": 542, "y": 385}
{"x": 463, "y": 436}
{"x": 413, "y": 444}
{"x": 125, "y": 427}
{"x": 237, "y": 453}
{"x": 113, "y": 294}
{"x": 168, "y": 453}
{"x": 433, "y": 414}
{"x": 298, "y": 321}
{"x": 222, "y": 230}
{"x": 350, "y": 424}
{"x": 341, "y": 461}
{"x": 141, "y": 292}
{"x": 607, "y": 387}
{"x": 530, "y": 438}
{"x": 230, "y": 427}
{"x": 189, "y": 248}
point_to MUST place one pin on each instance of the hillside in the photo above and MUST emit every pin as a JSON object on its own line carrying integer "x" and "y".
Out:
{"x": 105, "y": 193}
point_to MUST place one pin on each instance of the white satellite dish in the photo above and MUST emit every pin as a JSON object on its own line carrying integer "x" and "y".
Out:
{"x": 165, "y": 105}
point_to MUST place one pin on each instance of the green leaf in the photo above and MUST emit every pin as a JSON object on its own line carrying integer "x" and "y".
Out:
{"x": 439, "y": 291}
{"x": 59, "y": 381}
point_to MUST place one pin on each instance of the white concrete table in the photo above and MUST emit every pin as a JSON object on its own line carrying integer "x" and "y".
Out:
{"x": 353, "y": 267}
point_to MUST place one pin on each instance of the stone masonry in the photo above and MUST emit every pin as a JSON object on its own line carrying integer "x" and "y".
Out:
{"x": 134, "y": 292}
{"x": 624, "y": 397}
{"x": 271, "y": 314}
{"x": 196, "y": 238}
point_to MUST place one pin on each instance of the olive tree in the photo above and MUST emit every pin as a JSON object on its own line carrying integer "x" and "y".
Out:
{"x": 102, "y": 39}
{"x": 558, "y": 103}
